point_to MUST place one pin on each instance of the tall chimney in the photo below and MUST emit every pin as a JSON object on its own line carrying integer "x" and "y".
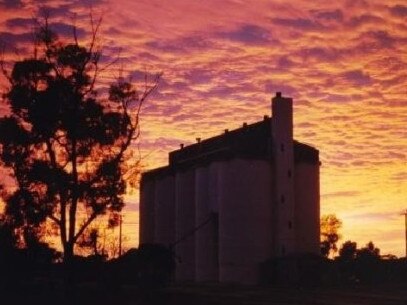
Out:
{"x": 283, "y": 170}
{"x": 282, "y": 110}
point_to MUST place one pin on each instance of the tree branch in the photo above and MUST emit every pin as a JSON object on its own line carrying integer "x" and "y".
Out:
{"x": 84, "y": 226}
{"x": 2, "y": 64}
{"x": 55, "y": 219}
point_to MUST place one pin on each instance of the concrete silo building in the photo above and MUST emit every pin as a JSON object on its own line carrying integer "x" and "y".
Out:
{"x": 233, "y": 201}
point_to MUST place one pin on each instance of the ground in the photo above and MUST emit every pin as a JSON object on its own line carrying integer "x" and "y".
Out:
{"x": 228, "y": 295}
{"x": 388, "y": 294}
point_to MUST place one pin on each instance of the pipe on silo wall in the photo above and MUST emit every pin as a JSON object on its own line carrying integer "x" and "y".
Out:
{"x": 206, "y": 237}
{"x": 165, "y": 210}
{"x": 147, "y": 211}
{"x": 214, "y": 190}
{"x": 307, "y": 206}
{"x": 245, "y": 219}
{"x": 185, "y": 225}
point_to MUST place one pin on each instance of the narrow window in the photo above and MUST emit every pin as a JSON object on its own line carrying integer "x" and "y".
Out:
{"x": 282, "y": 147}
{"x": 282, "y": 198}
{"x": 289, "y": 173}
{"x": 290, "y": 225}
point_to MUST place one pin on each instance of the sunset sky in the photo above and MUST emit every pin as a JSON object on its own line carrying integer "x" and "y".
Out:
{"x": 343, "y": 62}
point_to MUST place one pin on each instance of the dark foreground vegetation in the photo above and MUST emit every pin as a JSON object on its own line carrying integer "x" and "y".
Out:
{"x": 144, "y": 276}
{"x": 31, "y": 277}
{"x": 313, "y": 271}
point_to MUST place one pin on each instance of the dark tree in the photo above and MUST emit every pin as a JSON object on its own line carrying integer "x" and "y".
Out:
{"x": 8, "y": 240}
{"x": 370, "y": 252}
{"x": 91, "y": 240}
{"x": 368, "y": 264}
{"x": 64, "y": 142}
{"x": 8, "y": 255}
{"x": 330, "y": 226}
{"x": 348, "y": 251}
{"x": 345, "y": 263}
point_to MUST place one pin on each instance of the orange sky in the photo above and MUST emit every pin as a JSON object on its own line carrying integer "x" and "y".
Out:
{"x": 343, "y": 62}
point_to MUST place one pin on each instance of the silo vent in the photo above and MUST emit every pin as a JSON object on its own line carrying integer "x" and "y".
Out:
{"x": 198, "y": 140}
{"x": 278, "y": 94}
{"x": 181, "y": 145}
{"x": 226, "y": 130}
{"x": 266, "y": 117}
{"x": 244, "y": 124}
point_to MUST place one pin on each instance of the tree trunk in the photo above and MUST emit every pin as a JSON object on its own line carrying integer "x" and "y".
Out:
{"x": 69, "y": 273}
{"x": 68, "y": 252}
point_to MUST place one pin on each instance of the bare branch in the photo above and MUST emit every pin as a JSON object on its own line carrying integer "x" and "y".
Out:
{"x": 2, "y": 63}
{"x": 95, "y": 30}
{"x": 75, "y": 34}
{"x": 148, "y": 89}
{"x": 94, "y": 55}
{"x": 111, "y": 63}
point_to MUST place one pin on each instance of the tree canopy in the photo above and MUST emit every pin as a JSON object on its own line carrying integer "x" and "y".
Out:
{"x": 330, "y": 226}
{"x": 64, "y": 142}
{"x": 348, "y": 251}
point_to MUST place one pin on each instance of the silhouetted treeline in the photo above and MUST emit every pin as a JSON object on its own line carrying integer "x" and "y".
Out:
{"x": 353, "y": 266}
{"x": 41, "y": 275}
{"x": 365, "y": 265}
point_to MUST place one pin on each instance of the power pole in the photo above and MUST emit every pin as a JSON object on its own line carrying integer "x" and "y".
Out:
{"x": 120, "y": 235}
{"x": 405, "y": 225}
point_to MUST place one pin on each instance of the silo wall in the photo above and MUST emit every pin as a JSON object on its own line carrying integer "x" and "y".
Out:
{"x": 185, "y": 225}
{"x": 165, "y": 210}
{"x": 206, "y": 221}
{"x": 147, "y": 211}
{"x": 245, "y": 215}
{"x": 307, "y": 205}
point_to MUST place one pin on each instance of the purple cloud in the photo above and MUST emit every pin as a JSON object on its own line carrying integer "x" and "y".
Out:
{"x": 60, "y": 28}
{"x": 15, "y": 40}
{"x": 298, "y": 23}
{"x": 399, "y": 10}
{"x": 248, "y": 34}
{"x": 383, "y": 38}
{"x": 12, "y": 3}
{"x": 183, "y": 45}
{"x": 271, "y": 87}
{"x": 338, "y": 98}
{"x": 198, "y": 76}
{"x": 335, "y": 15}
{"x": 60, "y": 11}
{"x": 147, "y": 56}
{"x": 357, "y": 77}
{"x": 20, "y": 22}
{"x": 221, "y": 91}
{"x": 66, "y": 29}
{"x": 321, "y": 54}
{"x": 364, "y": 19}
{"x": 376, "y": 40}
{"x": 285, "y": 63}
